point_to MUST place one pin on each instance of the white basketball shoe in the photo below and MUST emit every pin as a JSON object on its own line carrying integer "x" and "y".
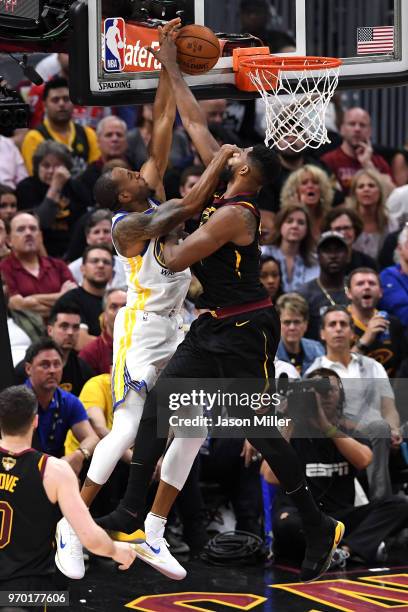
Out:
{"x": 69, "y": 557}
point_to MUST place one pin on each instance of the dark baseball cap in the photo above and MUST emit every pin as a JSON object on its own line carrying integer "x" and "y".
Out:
{"x": 331, "y": 236}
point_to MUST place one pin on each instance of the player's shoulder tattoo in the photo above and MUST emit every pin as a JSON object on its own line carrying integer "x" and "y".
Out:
{"x": 128, "y": 229}
{"x": 249, "y": 219}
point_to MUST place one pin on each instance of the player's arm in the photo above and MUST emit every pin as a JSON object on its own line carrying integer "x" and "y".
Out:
{"x": 190, "y": 111}
{"x": 133, "y": 228}
{"x": 230, "y": 224}
{"x": 61, "y": 486}
{"x": 164, "y": 115}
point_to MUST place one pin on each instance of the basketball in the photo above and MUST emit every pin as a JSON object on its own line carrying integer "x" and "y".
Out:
{"x": 198, "y": 49}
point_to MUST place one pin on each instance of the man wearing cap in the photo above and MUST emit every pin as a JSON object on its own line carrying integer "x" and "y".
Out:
{"x": 329, "y": 288}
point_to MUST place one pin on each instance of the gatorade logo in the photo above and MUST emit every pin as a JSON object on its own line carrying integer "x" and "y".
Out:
{"x": 114, "y": 44}
{"x": 137, "y": 56}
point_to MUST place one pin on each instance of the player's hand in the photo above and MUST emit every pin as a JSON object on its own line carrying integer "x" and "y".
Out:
{"x": 171, "y": 29}
{"x": 364, "y": 154}
{"x": 167, "y": 54}
{"x": 124, "y": 554}
{"x": 229, "y": 150}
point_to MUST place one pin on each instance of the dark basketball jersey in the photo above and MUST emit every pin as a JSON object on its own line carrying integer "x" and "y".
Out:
{"x": 27, "y": 518}
{"x": 230, "y": 276}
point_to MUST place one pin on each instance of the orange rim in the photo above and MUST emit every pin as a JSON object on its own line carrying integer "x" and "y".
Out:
{"x": 295, "y": 63}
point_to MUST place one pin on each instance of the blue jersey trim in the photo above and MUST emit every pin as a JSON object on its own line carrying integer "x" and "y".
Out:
{"x": 146, "y": 246}
{"x": 119, "y": 216}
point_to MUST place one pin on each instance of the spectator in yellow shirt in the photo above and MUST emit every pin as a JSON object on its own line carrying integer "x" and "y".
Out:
{"x": 58, "y": 126}
{"x": 96, "y": 397}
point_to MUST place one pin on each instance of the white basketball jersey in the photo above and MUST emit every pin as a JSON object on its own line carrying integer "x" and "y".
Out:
{"x": 152, "y": 287}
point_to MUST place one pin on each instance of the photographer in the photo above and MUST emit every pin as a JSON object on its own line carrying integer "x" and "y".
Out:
{"x": 370, "y": 405}
{"x": 332, "y": 459}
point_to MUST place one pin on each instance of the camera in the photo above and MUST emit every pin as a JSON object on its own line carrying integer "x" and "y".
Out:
{"x": 301, "y": 396}
{"x": 14, "y": 113}
{"x": 34, "y": 20}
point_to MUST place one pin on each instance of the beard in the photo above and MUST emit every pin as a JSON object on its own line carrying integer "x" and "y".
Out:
{"x": 291, "y": 155}
{"x": 97, "y": 284}
{"x": 226, "y": 175}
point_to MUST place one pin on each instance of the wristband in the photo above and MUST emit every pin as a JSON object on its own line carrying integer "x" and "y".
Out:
{"x": 331, "y": 431}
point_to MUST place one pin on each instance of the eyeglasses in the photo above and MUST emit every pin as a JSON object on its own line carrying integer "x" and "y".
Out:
{"x": 95, "y": 260}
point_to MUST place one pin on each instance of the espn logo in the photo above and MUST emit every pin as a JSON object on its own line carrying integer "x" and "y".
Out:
{"x": 322, "y": 470}
{"x": 114, "y": 44}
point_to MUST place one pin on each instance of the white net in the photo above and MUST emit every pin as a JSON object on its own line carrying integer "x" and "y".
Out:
{"x": 296, "y": 106}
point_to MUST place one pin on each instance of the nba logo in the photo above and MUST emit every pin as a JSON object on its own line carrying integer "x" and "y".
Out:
{"x": 114, "y": 44}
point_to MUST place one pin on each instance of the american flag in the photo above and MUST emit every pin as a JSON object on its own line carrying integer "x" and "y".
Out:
{"x": 371, "y": 41}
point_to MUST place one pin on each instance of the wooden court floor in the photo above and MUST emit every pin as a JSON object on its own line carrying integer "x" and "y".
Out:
{"x": 222, "y": 589}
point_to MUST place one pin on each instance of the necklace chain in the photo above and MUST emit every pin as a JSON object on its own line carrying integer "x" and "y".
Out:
{"x": 326, "y": 293}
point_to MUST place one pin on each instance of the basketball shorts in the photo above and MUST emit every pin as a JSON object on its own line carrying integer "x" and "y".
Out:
{"x": 143, "y": 343}
{"x": 239, "y": 346}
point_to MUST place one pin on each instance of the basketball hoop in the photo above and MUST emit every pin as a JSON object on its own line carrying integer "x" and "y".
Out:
{"x": 296, "y": 92}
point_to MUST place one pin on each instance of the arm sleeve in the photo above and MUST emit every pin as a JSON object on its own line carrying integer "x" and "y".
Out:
{"x": 94, "y": 151}
{"x": 30, "y": 143}
{"x": 65, "y": 272}
{"x": 47, "y": 212}
{"x": 382, "y": 382}
{"x": 77, "y": 412}
{"x": 78, "y": 241}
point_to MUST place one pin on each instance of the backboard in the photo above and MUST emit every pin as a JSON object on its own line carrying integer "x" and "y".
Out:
{"x": 110, "y": 66}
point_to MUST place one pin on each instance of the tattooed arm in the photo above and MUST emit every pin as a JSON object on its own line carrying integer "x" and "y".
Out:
{"x": 230, "y": 224}
{"x": 130, "y": 232}
{"x": 192, "y": 116}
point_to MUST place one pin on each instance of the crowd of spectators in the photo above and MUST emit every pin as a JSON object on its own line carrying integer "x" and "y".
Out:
{"x": 334, "y": 261}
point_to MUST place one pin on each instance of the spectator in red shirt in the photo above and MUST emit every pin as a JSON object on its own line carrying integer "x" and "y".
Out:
{"x": 99, "y": 353}
{"x": 356, "y": 151}
{"x": 33, "y": 282}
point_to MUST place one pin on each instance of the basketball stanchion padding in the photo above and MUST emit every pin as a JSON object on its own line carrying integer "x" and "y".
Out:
{"x": 296, "y": 92}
